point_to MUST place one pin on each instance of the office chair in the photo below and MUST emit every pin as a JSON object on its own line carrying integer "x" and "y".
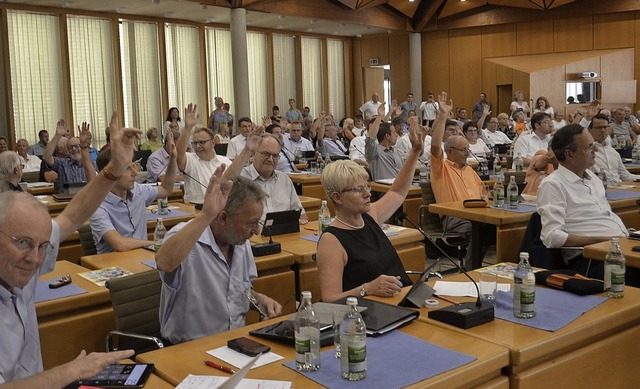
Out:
{"x": 86, "y": 240}
{"x": 436, "y": 232}
{"x": 31, "y": 176}
{"x": 136, "y": 305}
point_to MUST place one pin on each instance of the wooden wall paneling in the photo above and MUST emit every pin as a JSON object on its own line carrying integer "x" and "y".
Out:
{"x": 585, "y": 65}
{"x": 399, "y": 67}
{"x": 611, "y": 69}
{"x": 271, "y": 89}
{"x": 299, "y": 92}
{"x": 637, "y": 54}
{"x": 489, "y": 82}
{"x": 465, "y": 61}
{"x": 534, "y": 37}
{"x": 573, "y": 34}
{"x": 499, "y": 41}
{"x": 550, "y": 84}
{"x": 348, "y": 77}
{"x": 376, "y": 47}
{"x": 613, "y": 30}
{"x": 357, "y": 93}
{"x": 522, "y": 82}
{"x": 504, "y": 75}
{"x": 435, "y": 62}
{"x": 373, "y": 82}
{"x": 6, "y": 96}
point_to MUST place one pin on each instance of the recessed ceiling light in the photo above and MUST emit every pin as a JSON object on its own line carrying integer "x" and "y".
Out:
{"x": 309, "y": 30}
{"x": 66, "y": 4}
{"x": 210, "y": 19}
{"x": 121, "y": 10}
{"x": 280, "y": 26}
{"x": 168, "y": 14}
{"x": 156, "y": 2}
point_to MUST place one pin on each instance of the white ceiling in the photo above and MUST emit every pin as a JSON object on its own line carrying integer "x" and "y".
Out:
{"x": 187, "y": 10}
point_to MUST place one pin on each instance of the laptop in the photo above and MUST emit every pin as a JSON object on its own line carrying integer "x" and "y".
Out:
{"x": 68, "y": 190}
{"x": 282, "y": 222}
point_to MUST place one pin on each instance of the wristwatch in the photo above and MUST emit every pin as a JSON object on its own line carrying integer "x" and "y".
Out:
{"x": 363, "y": 292}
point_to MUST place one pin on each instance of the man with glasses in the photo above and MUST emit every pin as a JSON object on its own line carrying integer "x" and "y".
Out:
{"x": 198, "y": 166}
{"x": 290, "y": 142}
{"x": 451, "y": 178}
{"x": 538, "y": 139}
{"x": 608, "y": 160}
{"x": 492, "y": 136}
{"x": 211, "y": 255}
{"x": 77, "y": 167}
{"x": 236, "y": 144}
{"x": 120, "y": 223}
{"x": 29, "y": 243}
{"x": 571, "y": 201}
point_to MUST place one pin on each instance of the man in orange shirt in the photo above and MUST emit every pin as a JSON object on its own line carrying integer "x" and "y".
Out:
{"x": 452, "y": 179}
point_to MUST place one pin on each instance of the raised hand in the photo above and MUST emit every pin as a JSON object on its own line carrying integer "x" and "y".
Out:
{"x": 381, "y": 109}
{"x": 592, "y": 109}
{"x": 486, "y": 109}
{"x": 173, "y": 152}
{"x": 253, "y": 138}
{"x": 190, "y": 116}
{"x": 84, "y": 133}
{"x": 122, "y": 144}
{"x": 61, "y": 128}
{"x": 443, "y": 108}
{"x": 416, "y": 136}
{"x": 216, "y": 195}
{"x": 266, "y": 121}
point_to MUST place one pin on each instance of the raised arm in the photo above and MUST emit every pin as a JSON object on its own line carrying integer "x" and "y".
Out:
{"x": 486, "y": 112}
{"x": 384, "y": 208}
{"x": 437, "y": 133}
{"x": 84, "y": 133}
{"x": 320, "y": 128}
{"x": 250, "y": 148}
{"x": 190, "y": 120}
{"x": 90, "y": 197}
{"x": 178, "y": 246}
{"x": 170, "y": 174}
{"x": 61, "y": 130}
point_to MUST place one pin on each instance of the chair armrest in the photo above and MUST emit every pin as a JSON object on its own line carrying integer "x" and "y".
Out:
{"x": 114, "y": 337}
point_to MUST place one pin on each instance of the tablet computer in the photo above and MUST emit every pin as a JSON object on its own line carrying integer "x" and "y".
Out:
{"x": 133, "y": 375}
{"x": 282, "y": 222}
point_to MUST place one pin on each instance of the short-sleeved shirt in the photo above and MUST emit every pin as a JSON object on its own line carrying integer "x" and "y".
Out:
{"x": 37, "y": 149}
{"x": 452, "y": 183}
{"x": 293, "y": 115}
{"x": 406, "y": 107}
{"x": 69, "y": 171}
{"x": 30, "y": 165}
{"x": 384, "y": 162}
{"x": 370, "y": 108}
{"x": 20, "y": 355}
{"x": 281, "y": 194}
{"x": 236, "y": 144}
{"x": 128, "y": 217}
{"x": 204, "y": 295}
{"x": 202, "y": 171}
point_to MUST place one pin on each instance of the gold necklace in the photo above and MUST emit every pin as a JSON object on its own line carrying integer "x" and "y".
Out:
{"x": 350, "y": 225}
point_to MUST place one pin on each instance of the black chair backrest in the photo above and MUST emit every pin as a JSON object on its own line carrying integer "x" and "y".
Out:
{"x": 86, "y": 240}
{"x": 539, "y": 254}
{"x": 221, "y": 149}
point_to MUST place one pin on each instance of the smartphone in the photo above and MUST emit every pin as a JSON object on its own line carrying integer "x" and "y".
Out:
{"x": 247, "y": 346}
{"x": 635, "y": 248}
{"x": 120, "y": 376}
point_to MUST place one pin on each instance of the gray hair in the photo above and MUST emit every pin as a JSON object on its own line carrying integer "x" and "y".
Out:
{"x": 9, "y": 161}
{"x": 9, "y": 198}
{"x": 243, "y": 191}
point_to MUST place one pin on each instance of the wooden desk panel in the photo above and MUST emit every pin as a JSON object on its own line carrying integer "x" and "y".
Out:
{"x": 174, "y": 363}
{"x": 311, "y": 206}
{"x": 411, "y": 203}
{"x": 599, "y": 251}
{"x": 74, "y": 323}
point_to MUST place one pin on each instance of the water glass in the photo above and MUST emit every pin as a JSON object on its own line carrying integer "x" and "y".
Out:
{"x": 314, "y": 167}
{"x": 488, "y": 286}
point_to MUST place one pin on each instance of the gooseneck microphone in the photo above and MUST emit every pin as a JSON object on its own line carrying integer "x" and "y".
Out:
{"x": 464, "y": 315}
{"x": 262, "y": 249}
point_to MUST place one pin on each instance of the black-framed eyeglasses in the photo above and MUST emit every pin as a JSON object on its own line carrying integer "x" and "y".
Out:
{"x": 359, "y": 189}
{"x": 463, "y": 150}
{"x": 200, "y": 143}
{"x": 267, "y": 155}
{"x": 28, "y": 244}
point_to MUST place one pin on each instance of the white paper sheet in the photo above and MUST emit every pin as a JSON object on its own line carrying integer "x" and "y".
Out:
{"x": 462, "y": 289}
{"x": 211, "y": 382}
{"x": 239, "y": 360}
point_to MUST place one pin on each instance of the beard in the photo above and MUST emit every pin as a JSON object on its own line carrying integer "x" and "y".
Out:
{"x": 76, "y": 157}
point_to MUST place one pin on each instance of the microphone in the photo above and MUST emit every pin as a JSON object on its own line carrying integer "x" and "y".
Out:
{"x": 262, "y": 249}
{"x": 483, "y": 177}
{"x": 464, "y": 315}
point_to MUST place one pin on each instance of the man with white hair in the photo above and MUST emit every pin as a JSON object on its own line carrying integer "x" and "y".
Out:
{"x": 31, "y": 162}
{"x": 10, "y": 171}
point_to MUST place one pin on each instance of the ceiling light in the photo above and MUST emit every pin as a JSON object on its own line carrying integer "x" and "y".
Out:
{"x": 280, "y": 26}
{"x": 121, "y": 10}
{"x": 66, "y": 4}
{"x": 210, "y": 19}
{"x": 203, "y": 7}
{"x": 280, "y": 17}
{"x": 156, "y": 2}
{"x": 168, "y": 14}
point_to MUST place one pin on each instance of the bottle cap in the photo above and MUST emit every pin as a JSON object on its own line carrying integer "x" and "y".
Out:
{"x": 352, "y": 301}
{"x": 306, "y": 294}
{"x": 432, "y": 303}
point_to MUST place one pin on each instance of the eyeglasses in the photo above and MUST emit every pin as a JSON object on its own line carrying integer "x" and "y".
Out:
{"x": 22, "y": 166}
{"x": 359, "y": 189}
{"x": 472, "y": 130}
{"x": 74, "y": 147}
{"x": 28, "y": 244}
{"x": 267, "y": 155}
{"x": 200, "y": 143}
{"x": 464, "y": 150}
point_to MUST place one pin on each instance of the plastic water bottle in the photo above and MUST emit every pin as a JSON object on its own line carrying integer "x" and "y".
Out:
{"x": 497, "y": 165}
{"x": 320, "y": 163}
{"x": 158, "y": 235}
{"x": 512, "y": 190}
{"x": 324, "y": 217}
{"x": 163, "y": 206}
{"x": 634, "y": 154}
{"x": 297, "y": 155}
{"x": 327, "y": 160}
{"x": 524, "y": 289}
{"x": 307, "y": 336}
{"x": 498, "y": 193}
{"x": 614, "y": 270}
{"x": 353, "y": 343}
{"x": 424, "y": 173}
{"x": 518, "y": 162}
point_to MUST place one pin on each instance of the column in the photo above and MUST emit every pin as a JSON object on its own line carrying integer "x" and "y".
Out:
{"x": 240, "y": 67}
{"x": 415, "y": 67}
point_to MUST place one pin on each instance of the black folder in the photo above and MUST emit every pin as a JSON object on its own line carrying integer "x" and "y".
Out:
{"x": 381, "y": 318}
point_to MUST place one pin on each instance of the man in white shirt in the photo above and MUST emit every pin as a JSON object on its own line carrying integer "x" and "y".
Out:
{"x": 429, "y": 110}
{"x": 558, "y": 120}
{"x": 236, "y": 144}
{"x": 608, "y": 160}
{"x": 370, "y": 108}
{"x": 528, "y": 144}
{"x": 358, "y": 126}
{"x": 31, "y": 162}
{"x": 571, "y": 201}
{"x": 492, "y": 136}
{"x": 197, "y": 166}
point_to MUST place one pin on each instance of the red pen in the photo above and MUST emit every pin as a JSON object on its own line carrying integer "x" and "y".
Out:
{"x": 219, "y": 367}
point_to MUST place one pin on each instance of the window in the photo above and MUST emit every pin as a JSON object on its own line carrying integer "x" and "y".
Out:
{"x": 183, "y": 68}
{"x": 36, "y": 73}
{"x": 284, "y": 70}
{"x": 257, "y": 61}
{"x": 141, "y": 87}
{"x": 219, "y": 66}
{"x": 312, "y": 74}
{"x": 335, "y": 74}
{"x": 92, "y": 69}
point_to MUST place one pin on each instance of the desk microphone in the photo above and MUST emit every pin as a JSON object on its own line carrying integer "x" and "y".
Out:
{"x": 464, "y": 315}
{"x": 483, "y": 177}
{"x": 262, "y": 249}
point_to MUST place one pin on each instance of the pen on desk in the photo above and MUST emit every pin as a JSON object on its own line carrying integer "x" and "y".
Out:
{"x": 311, "y": 229}
{"x": 219, "y": 367}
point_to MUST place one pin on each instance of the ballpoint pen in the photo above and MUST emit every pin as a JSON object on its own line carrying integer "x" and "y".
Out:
{"x": 219, "y": 367}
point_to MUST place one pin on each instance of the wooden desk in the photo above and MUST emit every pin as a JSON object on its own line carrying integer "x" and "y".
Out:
{"x": 598, "y": 251}
{"x": 408, "y": 244}
{"x": 311, "y": 206}
{"x": 71, "y": 249}
{"x": 575, "y": 356}
{"x": 310, "y": 184}
{"x": 275, "y": 277}
{"x": 40, "y": 190}
{"x": 411, "y": 203}
{"x": 174, "y": 363}
{"x": 71, "y": 324}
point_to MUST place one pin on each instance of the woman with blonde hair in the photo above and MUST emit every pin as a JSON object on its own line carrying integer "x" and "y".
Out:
{"x": 223, "y": 134}
{"x": 354, "y": 255}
